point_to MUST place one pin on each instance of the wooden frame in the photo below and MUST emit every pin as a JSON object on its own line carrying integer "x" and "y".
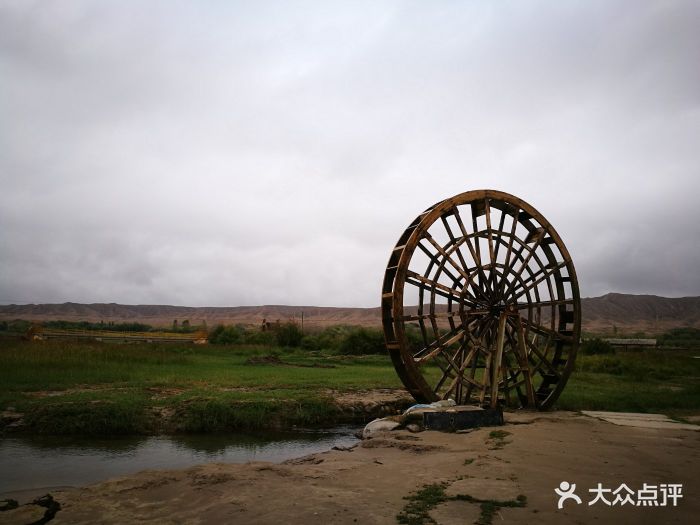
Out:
{"x": 480, "y": 302}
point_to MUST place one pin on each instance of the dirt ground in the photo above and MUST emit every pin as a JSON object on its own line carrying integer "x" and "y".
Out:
{"x": 368, "y": 483}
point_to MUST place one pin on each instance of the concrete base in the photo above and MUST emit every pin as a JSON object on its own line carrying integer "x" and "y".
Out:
{"x": 461, "y": 417}
{"x": 632, "y": 419}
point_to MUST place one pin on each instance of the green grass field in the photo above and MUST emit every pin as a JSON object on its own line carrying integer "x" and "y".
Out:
{"x": 101, "y": 388}
{"x": 666, "y": 381}
{"x": 66, "y": 387}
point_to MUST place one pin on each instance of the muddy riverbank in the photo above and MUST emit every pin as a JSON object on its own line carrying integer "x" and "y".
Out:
{"x": 509, "y": 473}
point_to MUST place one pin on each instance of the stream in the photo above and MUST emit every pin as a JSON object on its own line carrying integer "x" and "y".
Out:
{"x": 28, "y": 464}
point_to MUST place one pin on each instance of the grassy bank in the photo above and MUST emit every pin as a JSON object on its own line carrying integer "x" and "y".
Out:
{"x": 65, "y": 387}
{"x": 666, "y": 381}
{"x": 99, "y": 388}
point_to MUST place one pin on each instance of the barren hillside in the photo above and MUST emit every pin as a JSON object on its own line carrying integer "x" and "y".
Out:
{"x": 164, "y": 315}
{"x": 626, "y": 313}
{"x": 644, "y": 313}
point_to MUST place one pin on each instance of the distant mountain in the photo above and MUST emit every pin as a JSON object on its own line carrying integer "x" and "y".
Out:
{"x": 622, "y": 313}
{"x": 164, "y": 315}
{"x": 639, "y": 313}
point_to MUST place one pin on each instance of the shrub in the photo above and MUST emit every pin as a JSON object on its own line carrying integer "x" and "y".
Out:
{"x": 363, "y": 341}
{"x": 257, "y": 337}
{"x": 414, "y": 338}
{"x": 684, "y": 337}
{"x": 311, "y": 342}
{"x": 289, "y": 335}
{"x": 596, "y": 346}
{"x": 226, "y": 335}
{"x": 328, "y": 339}
{"x": 601, "y": 365}
{"x": 101, "y": 418}
{"x": 18, "y": 326}
{"x": 86, "y": 325}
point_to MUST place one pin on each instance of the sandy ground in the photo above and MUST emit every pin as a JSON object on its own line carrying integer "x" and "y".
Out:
{"x": 368, "y": 483}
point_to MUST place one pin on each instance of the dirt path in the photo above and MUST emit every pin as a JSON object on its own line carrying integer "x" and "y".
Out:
{"x": 369, "y": 483}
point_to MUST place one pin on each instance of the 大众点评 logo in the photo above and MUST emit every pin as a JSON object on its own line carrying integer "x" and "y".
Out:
{"x": 661, "y": 495}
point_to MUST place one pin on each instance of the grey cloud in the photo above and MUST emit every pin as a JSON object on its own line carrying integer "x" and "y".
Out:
{"x": 248, "y": 153}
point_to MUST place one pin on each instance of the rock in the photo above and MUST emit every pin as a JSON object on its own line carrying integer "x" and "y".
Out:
{"x": 344, "y": 449}
{"x": 10, "y": 416}
{"x": 8, "y": 504}
{"x": 377, "y": 426}
{"x": 437, "y": 405}
{"x": 23, "y": 514}
{"x": 414, "y": 428}
{"x": 41, "y": 510}
{"x": 11, "y": 420}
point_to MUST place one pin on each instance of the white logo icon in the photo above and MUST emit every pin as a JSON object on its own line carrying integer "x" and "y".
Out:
{"x": 566, "y": 491}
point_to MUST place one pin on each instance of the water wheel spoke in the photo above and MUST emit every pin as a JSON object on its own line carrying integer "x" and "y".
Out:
{"x": 442, "y": 340}
{"x": 504, "y": 385}
{"x": 530, "y": 253}
{"x": 497, "y": 358}
{"x": 460, "y": 377}
{"x": 473, "y": 252}
{"x": 461, "y": 271}
{"x": 435, "y": 260}
{"x": 434, "y": 287}
{"x": 486, "y": 381}
{"x": 514, "y": 382}
{"x": 455, "y": 243}
{"x": 440, "y": 345}
{"x": 436, "y": 315}
{"x": 521, "y": 354}
{"x": 543, "y": 362}
{"x": 453, "y": 370}
{"x": 471, "y": 381}
{"x": 459, "y": 380}
{"x": 541, "y": 304}
{"x": 489, "y": 232}
{"x": 446, "y": 373}
{"x": 498, "y": 242}
{"x": 445, "y": 315}
{"x": 543, "y": 330}
{"x": 528, "y": 283}
{"x": 507, "y": 264}
{"x": 510, "y": 381}
{"x": 481, "y": 347}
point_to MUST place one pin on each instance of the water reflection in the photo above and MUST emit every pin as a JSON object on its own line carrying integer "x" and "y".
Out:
{"x": 34, "y": 462}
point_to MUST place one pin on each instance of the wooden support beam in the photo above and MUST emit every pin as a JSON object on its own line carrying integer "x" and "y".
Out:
{"x": 521, "y": 353}
{"x": 497, "y": 358}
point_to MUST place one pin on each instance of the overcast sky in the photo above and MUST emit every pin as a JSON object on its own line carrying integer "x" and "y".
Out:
{"x": 242, "y": 153}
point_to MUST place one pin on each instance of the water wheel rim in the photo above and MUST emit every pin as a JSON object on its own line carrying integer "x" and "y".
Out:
{"x": 559, "y": 278}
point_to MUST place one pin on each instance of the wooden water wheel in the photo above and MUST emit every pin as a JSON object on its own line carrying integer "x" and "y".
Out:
{"x": 480, "y": 303}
